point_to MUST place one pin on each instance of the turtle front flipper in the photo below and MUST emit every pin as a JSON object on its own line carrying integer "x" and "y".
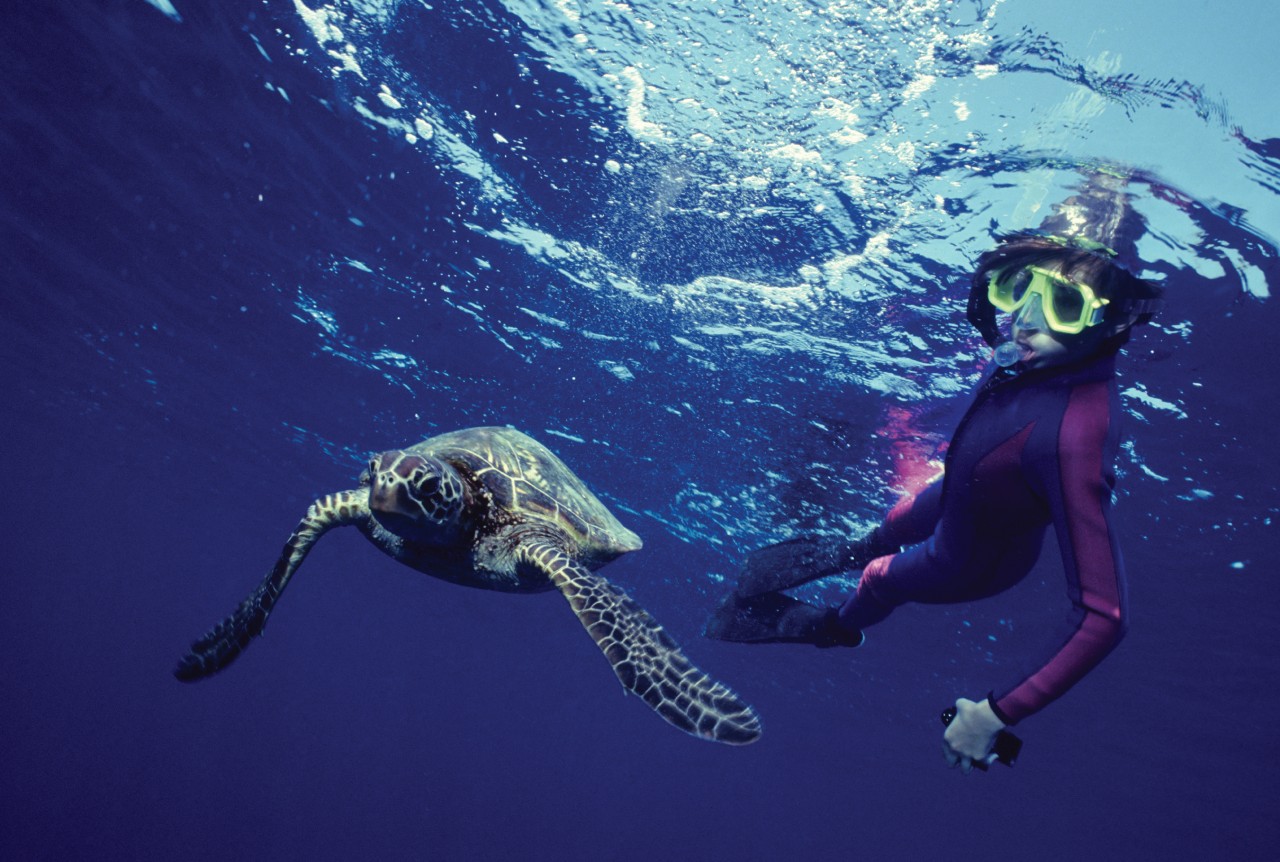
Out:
{"x": 221, "y": 644}
{"x": 645, "y": 658}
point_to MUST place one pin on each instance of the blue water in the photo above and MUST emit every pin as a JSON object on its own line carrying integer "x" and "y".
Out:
{"x": 714, "y": 254}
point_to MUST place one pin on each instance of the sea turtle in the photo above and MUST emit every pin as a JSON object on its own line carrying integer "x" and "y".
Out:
{"x": 495, "y": 509}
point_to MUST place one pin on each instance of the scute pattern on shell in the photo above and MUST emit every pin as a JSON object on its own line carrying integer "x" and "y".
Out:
{"x": 526, "y": 478}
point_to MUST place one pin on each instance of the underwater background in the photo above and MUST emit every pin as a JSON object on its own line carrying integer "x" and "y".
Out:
{"x": 714, "y": 254}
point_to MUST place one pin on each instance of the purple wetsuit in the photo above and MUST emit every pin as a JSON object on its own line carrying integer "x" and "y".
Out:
{"x": 1035, "y": 448}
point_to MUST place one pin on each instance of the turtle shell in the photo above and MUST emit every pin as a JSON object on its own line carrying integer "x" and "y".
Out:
{"x": 525, "y": 479}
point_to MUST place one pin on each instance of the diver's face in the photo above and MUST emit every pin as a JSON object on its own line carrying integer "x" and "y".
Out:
{"x": 1042, "y": 347}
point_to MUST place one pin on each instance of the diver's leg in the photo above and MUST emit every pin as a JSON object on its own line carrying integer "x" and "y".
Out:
{"x": 922, "y": 575}
{"x": 867, "y": 606}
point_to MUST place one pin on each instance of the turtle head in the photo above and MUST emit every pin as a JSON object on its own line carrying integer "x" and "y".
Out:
{"x": 416, "y": 496}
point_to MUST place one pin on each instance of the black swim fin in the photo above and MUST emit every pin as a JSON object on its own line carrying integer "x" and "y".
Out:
{"x": 776, "y": 618}
{"x": 806, "y": 558}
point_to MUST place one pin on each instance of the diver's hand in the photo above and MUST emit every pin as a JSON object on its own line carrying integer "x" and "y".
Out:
{"x": 971, "y": 735}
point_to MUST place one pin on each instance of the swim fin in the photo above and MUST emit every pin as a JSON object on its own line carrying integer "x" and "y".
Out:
{"x": 806, "y": 558}
{"x": 776, "y": 618}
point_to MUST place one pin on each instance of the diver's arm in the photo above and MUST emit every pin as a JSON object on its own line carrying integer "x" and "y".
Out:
{"x": 1078, "y": 484}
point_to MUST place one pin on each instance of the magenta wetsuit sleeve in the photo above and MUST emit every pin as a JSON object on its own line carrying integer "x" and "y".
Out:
{"x": 1076, "y": 478}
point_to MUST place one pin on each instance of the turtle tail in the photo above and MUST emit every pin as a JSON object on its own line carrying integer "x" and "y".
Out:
{"x": 226, "y": 640}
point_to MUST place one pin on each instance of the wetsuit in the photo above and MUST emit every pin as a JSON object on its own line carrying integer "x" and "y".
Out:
{"x": 1035, "y": 448}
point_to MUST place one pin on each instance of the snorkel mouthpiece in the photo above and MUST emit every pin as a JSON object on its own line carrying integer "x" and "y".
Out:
{"x": 1007, "y": 354}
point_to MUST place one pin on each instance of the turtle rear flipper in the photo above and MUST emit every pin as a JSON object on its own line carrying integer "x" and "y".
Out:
{"x": 645, "y": 658}
{"x": 222, "y": 643}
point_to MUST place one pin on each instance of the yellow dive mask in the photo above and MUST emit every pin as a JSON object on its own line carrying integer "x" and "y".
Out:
{"x": 1069, "y": 307}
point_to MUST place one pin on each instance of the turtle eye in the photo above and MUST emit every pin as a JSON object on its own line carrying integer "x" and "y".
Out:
{"x": 423, "y": 484}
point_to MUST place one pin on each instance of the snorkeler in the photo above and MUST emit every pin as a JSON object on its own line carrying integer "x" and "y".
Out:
{"x": 1034, "y": 449}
